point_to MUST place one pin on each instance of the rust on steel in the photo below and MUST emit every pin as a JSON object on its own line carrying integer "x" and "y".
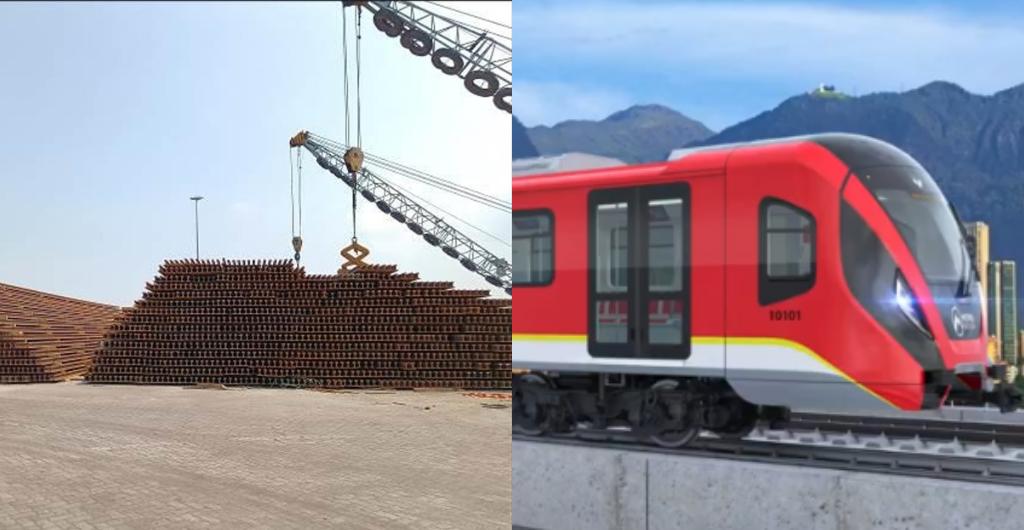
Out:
{"x": 47, "y": 338}
{"x": 268, "y": 323}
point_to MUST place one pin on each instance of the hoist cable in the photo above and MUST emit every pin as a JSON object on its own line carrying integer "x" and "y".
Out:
{"x": 291, "y": 186}
{"x": 444, "y": 185}
{"x": 425, "y": 178}
{"x": 354, "y": 237}
{"x": 503, "y": 241}
{"x": 300, "y": 191}
{"x": 478, "y": 17}
{"x": 359, "y": 70}
{"x": 455, "y": 190}
{"x": 344, "y": 53}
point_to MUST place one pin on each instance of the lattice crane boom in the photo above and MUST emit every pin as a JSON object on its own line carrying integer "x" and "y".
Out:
{"x": 421, "y": 221}
{"x": 455, "y": 48}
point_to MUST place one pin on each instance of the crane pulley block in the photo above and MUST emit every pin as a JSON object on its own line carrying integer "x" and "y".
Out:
{"x": 299, "y": 139}
{"x": 354, "y": 159}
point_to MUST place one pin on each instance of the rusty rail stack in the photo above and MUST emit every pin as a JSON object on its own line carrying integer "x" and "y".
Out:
{"x": 268, "y": 323}
{"x": 47, "y": 338}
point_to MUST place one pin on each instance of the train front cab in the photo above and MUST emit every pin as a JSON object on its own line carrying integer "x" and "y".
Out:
{"x": 828, "y": 307}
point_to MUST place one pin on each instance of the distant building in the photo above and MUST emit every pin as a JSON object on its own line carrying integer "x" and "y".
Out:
{"x": 1020, "y": 345}
{"x": 827, "y": 91}
{"x": 1008, "y": 291}
{"x": 994, "y": 295}
{"x": 559, "y": 163}
{"x": 979, "y": 235}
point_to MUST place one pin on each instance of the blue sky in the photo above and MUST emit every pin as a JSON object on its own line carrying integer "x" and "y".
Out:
{"x": 113, "y": 114}
{"x": 723, "y": 62}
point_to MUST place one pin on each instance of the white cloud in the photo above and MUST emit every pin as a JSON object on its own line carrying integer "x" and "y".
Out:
{"x": 874, "y": 48}
{"x": 547, "y": 103}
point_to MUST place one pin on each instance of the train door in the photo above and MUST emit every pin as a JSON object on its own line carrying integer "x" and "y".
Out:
{"x": 640, "y": 275}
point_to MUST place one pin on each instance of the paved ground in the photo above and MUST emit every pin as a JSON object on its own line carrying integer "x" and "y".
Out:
{"x": 93, "y": 456}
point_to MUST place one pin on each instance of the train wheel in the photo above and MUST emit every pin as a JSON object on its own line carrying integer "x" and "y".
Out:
{"x": 674, "y": 425}
{"x": 530, "y": 415}
{"x": 741, "y": 423}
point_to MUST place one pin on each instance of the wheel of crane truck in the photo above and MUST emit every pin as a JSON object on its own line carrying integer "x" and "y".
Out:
{"x": 675, "y": 425}
{"x": 503, "y": 99}
{"x": 481, "y": 83}
{"x": 388, "y": 22}
{"x": 530, "y": 415}
{"x": 417, "y": 42}
{"x": 448, "y": 61}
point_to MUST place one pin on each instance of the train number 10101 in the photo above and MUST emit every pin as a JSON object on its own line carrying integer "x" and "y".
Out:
{"x": 784, "y": 314}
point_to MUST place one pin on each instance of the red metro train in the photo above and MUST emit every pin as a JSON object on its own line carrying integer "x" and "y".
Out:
{"x": 825, "y": 272}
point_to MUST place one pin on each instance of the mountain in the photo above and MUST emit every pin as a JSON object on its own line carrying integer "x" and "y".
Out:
{"x": 522, "y": 147}
{"x": 642, "y": 133}
{"x": 972, "y": 145}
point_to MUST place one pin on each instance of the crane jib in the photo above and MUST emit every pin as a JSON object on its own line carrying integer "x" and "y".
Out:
{"x": 421, "y": 221}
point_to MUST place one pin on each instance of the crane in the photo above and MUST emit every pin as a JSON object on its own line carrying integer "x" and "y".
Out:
{"x": 469, "y": 52}
{"x": 346, "y": 163}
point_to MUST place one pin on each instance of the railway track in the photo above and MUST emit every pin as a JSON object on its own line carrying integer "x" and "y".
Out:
{"x": 1002, "y": 434}
{"x": 973, "y": 452}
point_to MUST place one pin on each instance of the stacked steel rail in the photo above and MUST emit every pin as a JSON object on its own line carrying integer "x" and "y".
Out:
{"x": 48, "y": 338}
{"x": 268, "y": 323}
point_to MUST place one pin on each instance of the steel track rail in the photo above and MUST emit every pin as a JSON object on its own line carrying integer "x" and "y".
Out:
{"x": 968, "y": 469}
{"x": 928, "y": 429}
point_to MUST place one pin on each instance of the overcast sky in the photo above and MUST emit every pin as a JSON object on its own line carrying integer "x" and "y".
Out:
{"x": 724, "y": 62}
{"x": 113, "y": 114}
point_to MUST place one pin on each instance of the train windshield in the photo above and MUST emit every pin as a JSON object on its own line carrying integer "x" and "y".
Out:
{"x": 925, "y": 220}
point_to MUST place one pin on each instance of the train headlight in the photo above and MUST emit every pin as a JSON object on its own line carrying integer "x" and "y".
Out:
{"x": 909, "y": 304}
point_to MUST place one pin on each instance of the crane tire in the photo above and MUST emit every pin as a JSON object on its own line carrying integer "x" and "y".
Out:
{"x": 501, "y": 99}
{"x": 489, "y": 79}
{"x": 388, "y": 22}
{"x": 446, "y": 53}
{"x": 417, "y": 42}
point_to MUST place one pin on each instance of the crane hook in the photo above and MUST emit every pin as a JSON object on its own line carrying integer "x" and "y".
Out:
{"x": 297, "y": 245}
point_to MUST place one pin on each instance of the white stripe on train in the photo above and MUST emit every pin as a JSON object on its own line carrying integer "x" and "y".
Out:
{"x": 807, "y": 382}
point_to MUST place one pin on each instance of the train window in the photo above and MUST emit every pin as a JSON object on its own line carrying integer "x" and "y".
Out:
{"x": 665, "y": 244}
{"x": 665, "y": 238}
{"x": 612, "y": 265}
{"x": 532, "y": 248}
{"x": 787, "y": 251}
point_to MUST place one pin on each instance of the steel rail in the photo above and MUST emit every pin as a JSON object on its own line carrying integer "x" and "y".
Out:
{"x": 927, "y": 429}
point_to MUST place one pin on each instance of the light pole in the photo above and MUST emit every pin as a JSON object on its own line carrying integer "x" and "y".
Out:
{"x": 196, "y": 200}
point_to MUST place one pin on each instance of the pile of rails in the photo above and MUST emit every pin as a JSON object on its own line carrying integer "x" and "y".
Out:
{"x": 270, "y": 324}
{"x": 47, "y": 338}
